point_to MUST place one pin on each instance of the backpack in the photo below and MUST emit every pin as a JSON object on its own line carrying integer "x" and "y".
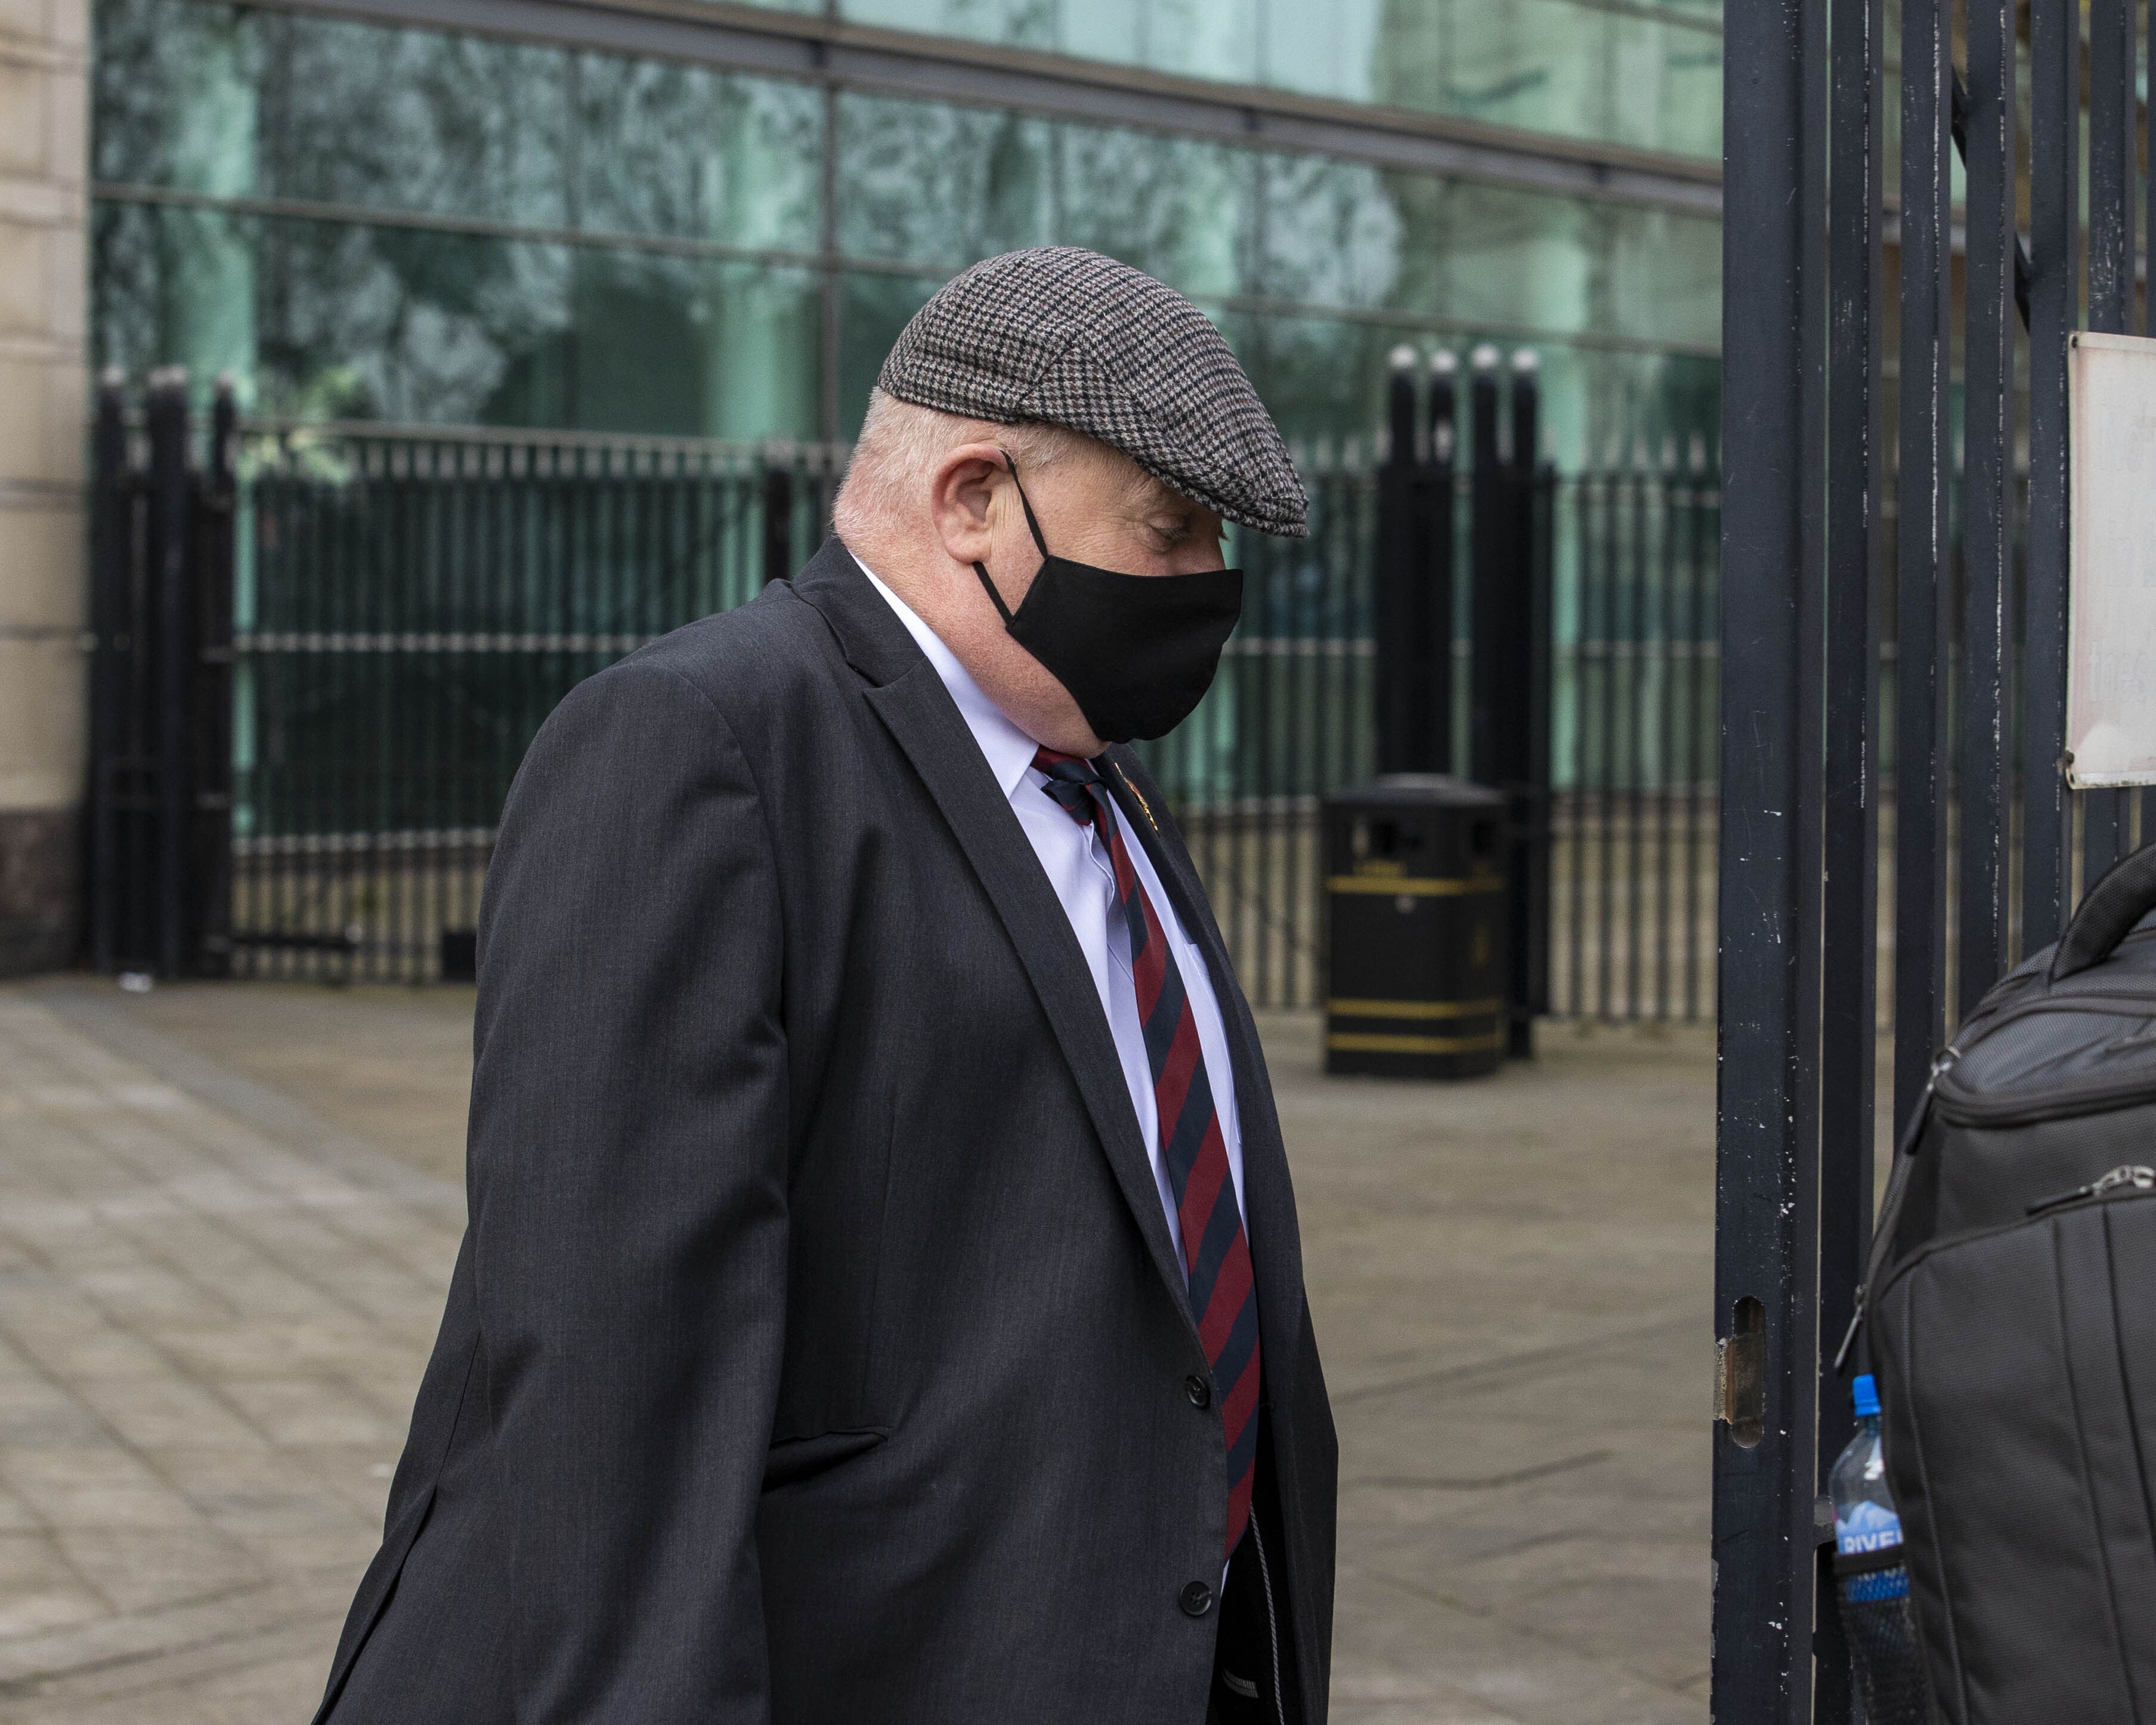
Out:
{"x": 2010, "y": 1302}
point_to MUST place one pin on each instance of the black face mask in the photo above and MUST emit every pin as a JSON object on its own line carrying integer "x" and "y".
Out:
{"x": 1137, "y": 652}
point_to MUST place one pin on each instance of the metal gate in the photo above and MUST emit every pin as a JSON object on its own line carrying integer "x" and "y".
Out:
{"x": 1946, "y": 540}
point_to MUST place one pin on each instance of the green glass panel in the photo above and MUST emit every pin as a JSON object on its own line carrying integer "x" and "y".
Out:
{"x": 172, "y": 95}
{"x": 1175, "y": 207}
{"x": 363, "y": 323}
{"x": 1555, "y": 66}
{"x": 1665, "y": 276}
{"x": 1198, "y": 38}
{"x": 939, "y": 186}
{"x": 1334, "y": 232}
{"x": 686, "y": 152}
{"x": 1323, "y": 378}
{"x": 1637, "y": 72}
{"x": 1338, "y": 233}
{"x": 414, "y": 120}
{"x": 450, "y": 125}
{"x": 1025, "y": 24}
{"x": 1327, "y": 48}
{"x": 872, "y": 310}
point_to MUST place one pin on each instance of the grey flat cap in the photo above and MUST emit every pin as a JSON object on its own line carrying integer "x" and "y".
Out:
{"x": 1065, "y": 335}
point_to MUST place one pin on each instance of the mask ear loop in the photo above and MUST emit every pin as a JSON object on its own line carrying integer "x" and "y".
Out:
{"x": 1026, "y": 504}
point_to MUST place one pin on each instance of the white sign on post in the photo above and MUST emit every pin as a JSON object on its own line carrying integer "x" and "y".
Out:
{"x": 2110, "y": 629}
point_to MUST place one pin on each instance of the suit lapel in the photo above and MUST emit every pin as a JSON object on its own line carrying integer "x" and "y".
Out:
{"x": 910, "y": 699}
{"x": 1275, "y": 1240}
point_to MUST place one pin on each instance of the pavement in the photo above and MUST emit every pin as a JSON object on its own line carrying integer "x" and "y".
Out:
{"x": 228, "y": 1213}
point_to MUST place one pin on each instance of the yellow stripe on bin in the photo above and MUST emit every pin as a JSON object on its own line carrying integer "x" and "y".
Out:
{"x": 1417, "y": 886}
{"x": 1356, "y": 1042}
{"x": 1412, "y": 1008}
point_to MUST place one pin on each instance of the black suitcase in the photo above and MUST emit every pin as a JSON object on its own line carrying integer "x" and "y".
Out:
{"x": 2010, "y": 1302}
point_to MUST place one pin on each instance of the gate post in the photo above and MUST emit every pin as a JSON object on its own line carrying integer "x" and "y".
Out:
{"x": 1508, "y": 726}
{"x": 1529, "y": 765}
{"x": 171, "y": 603}
{"x": 209, "y": 925}
{"x": 1438, "y": 508}
{"x": 1766, "y": 1176}
{"x": 778, "y": 517}
{"x": 1396, "y": 597}
{"x": 112, "y": 537}
{"x": 1489, "y": 538}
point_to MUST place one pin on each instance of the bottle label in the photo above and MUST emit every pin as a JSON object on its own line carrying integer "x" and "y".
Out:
{"x": 1866, "y": 1527}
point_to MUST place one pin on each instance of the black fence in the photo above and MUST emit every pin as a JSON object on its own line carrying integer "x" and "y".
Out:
{"x": 387, "y": 613}
{"x": 159, "y": 848}
{"x": 411, "y": 605}
{"x": 1636, "y": 720}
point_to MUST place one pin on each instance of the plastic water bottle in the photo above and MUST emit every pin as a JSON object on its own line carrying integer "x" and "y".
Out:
{"x": 1872, "y": 1586}
{"x": 1864, "y": 1517}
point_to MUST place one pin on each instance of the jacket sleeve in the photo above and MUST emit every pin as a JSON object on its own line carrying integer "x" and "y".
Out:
{"x": 627, "y": 1174}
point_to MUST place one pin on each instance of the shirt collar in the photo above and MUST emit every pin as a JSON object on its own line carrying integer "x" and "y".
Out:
{"x": 1009, "y": 750}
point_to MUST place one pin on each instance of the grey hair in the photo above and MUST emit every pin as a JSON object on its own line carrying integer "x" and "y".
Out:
{"x": 900, "y": 443}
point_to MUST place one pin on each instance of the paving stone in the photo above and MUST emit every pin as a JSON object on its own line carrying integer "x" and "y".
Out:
{"x": 146, "y": 1412}
{"x": 139, "y": 1569}
{"x": 218, "y": 1290}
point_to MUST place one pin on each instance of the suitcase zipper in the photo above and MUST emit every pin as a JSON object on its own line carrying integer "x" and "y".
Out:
{"x": 2124, "y": 1190}
{"x": 2128, "y": 1180}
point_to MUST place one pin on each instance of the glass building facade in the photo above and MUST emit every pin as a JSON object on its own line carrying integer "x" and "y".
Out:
{"x": 415, "y": 224}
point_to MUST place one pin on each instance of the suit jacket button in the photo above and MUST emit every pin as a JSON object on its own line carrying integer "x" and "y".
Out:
{"x": 1197, "y": 1599}
{"x": 1198, "y": 1390}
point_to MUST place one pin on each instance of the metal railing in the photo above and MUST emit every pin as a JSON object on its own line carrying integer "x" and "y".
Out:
{"x": 407, "y": 605}
{"x": 410, "y": 604}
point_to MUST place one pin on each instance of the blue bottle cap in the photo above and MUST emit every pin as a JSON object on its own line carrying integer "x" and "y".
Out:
{"x": 1866, "y": 1391}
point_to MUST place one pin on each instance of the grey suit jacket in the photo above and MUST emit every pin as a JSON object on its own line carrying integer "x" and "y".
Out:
{"x": 816, "y": 1351}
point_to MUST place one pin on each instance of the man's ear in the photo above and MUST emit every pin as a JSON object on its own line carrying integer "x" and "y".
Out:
{"x": 961, "y": 492}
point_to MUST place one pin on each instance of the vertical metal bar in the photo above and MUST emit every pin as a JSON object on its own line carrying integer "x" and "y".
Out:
{"x": 1664, "y": 633}
{"x": 1635, "y": 727}
{"x": 210, "y": 822}
{"x": 777, "y": 521}
{"x": 1987, "y": 529}
{"x": 169, "y": 514}
{"x": 1764, "y": 1263}
{"x": 1612, "y": 488}
{"x": 1531, "y": 709}
{"x": 112, "y": 542}
{"x": 1396, "y": 574}
{"x": 1849, "y": 841}
{"x": 1825, "y": 51}
{"x": 2111, "y": 143}
{"x": 1922, "y": 552}
{"x": 1444, "y": 440}
{"x": 1487, "y": 666}
{"x": 1583, "y": 511}
{"x": 1684, "y": 763}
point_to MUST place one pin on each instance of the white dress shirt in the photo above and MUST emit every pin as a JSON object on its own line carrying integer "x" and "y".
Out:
{"x": 1078, "y": 870}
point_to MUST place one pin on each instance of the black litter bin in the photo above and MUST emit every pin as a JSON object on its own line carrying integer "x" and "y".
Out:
{"x": 1415, "y": 901}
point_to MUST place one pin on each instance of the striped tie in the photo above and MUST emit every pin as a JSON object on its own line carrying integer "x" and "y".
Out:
{"x": 1216, "y": 1256}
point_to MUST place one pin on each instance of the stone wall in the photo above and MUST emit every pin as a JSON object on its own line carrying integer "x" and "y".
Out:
{"x": 43, "y": 403}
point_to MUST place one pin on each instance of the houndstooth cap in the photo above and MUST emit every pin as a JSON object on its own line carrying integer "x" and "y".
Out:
{"x": 1065, "y": 335}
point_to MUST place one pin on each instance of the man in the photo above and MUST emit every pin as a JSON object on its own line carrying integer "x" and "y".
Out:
{"x": 882, "y": 1299}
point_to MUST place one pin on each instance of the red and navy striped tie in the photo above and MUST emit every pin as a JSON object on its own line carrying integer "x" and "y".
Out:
{"x": 1216, "y": 1255}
